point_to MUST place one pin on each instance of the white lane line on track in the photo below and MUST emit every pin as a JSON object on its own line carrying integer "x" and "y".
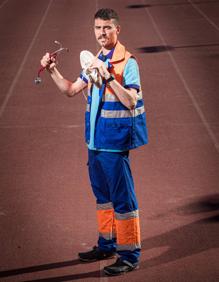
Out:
{"x": 203, "y": 15}
{"x": 3, "y": 4}
{"x": 188, "y": 90}
{"x": 15, "y": 80}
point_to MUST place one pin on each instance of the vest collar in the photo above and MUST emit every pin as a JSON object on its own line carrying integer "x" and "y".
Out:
{"x": 118, "y": 53}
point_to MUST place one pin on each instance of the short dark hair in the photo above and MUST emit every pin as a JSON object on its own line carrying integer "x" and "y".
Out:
{"x": 107, "y": 14}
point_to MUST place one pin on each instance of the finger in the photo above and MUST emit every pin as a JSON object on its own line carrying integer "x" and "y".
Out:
{"x": 45, "y": 60}
{"x": 47, "y": 56}
{"x": 53, "y": 59}
{"x": 96, "y": 63}
{"x": 91, "y": 68}
{"x": 51, "y": 66}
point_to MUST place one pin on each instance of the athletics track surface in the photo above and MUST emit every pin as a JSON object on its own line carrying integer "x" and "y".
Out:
{"x": 47, "y": 211}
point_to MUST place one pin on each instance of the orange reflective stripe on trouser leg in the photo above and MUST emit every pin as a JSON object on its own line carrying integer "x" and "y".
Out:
{"x": 114, "y": 226}
{"x": 105, "y": 220}
{"x": 128, "y": 232}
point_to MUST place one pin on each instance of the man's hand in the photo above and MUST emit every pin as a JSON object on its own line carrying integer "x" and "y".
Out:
{"x": 48, "y": 62}
{"x": 100, "y": 66}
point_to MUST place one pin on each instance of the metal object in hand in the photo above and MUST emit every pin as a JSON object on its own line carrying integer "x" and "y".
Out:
{"x": 54, "y": 54}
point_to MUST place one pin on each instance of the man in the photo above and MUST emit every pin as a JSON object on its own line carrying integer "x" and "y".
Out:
{"x": 115, "y": 123}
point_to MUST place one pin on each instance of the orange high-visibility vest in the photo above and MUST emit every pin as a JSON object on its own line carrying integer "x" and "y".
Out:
{"x": 117, "y": 127}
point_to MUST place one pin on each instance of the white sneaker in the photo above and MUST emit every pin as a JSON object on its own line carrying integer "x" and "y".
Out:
{"x": 86, "y": 59}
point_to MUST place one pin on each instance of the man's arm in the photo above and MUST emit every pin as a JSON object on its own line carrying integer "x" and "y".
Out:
{"x": 65, "y": 86}
{"x": 128, "y": 97}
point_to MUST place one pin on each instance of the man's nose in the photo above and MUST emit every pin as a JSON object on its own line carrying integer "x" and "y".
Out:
{"x": 103, "y": 32}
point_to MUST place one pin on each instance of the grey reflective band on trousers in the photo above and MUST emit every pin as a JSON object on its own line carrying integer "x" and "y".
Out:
{"x": 128, "y": 215}
{"x": 106, "y": 206}
{"x": 122, "y": 113}
{"x": 130, "y": 247}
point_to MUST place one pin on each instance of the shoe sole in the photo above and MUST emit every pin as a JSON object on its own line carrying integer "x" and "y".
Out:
{"x": 120, "y": 273}
{"x": 93, "y": 260}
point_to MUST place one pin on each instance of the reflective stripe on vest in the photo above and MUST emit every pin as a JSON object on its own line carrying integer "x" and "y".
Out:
{"x": 88, "y": 108}
{"x": 122, "y": 113}
{"x": 109, "y": 97}
{"x": 137, "y": 111}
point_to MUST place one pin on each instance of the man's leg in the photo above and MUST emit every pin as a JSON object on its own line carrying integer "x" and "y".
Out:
{"x": 122, "y": 195}
{"x": 105, "y": 213}
{"x": 119, "y": 178}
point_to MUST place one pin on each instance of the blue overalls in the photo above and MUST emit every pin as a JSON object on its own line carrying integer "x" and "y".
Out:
{"x": 111, "y": 131}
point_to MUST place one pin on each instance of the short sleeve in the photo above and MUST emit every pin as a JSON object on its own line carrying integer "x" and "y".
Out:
{"x": 131, "y": 76}
{"x": 84, "y": 77}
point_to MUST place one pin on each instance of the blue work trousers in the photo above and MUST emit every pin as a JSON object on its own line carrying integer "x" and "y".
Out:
{"x": 112, "y": 182}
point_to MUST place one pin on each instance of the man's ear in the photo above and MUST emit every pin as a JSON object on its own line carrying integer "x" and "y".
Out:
{"x": 118, "y": 29}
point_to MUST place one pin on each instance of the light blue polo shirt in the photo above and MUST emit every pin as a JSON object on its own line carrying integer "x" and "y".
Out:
{"x": 131, "y": 79}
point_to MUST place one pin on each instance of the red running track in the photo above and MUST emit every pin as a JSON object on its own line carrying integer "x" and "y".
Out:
{"x": 47, "y": 211}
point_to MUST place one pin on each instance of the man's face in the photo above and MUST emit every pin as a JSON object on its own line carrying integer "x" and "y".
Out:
{"x": 106, "y": 32}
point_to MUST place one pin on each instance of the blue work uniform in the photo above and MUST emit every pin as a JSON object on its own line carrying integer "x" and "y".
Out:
{"x": 111, "y": 177}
